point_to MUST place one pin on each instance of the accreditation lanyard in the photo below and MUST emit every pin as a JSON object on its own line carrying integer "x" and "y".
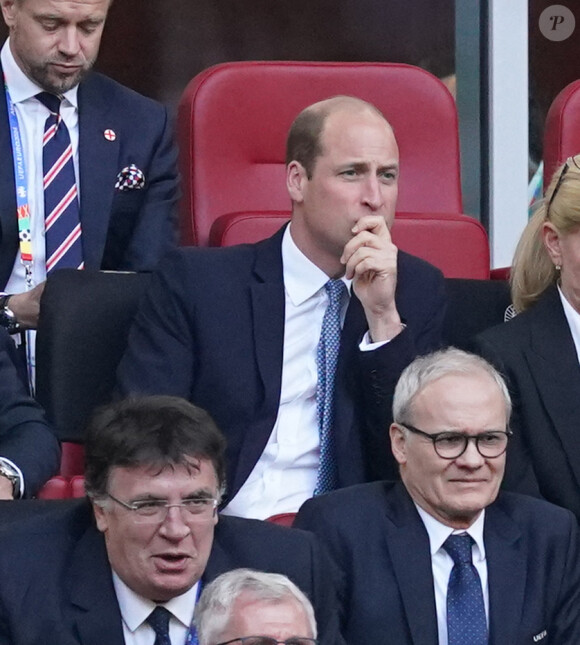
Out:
{"x": 22, "y": 207}
{"x": 192, "y": 632}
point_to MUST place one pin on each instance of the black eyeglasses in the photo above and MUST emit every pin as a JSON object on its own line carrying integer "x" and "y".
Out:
{"x": 266, "y": 640}
{"x": 451, "y": 445}
{"x": 569, "y": 161}
{"x": 154, "y": 511}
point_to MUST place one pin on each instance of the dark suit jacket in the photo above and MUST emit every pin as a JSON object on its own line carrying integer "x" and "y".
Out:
{"x": 57, "y": 587}
{"x": 211, "y": 329}
{"x": 536, "y": 353}
{"x": 25, "y": 437}
{"x": 376, "y": 535}
{"x": 122, "y": 230}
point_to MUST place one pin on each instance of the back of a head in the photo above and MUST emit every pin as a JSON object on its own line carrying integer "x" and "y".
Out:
{"x": 533, "y": 270}
{"x": 214, "y": 609}
{"x": 150, "y": 431}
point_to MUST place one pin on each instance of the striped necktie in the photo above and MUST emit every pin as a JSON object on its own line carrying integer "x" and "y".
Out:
{"x": 326, "y": 361}
{"x": 61, "y": 205}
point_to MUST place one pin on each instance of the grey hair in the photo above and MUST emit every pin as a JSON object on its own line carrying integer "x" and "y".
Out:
{"x": 427, "y": 369}
{"x": 213, "y": 611}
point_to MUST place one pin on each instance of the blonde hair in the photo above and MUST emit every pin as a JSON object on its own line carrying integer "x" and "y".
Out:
{"x": 532, "y": 269}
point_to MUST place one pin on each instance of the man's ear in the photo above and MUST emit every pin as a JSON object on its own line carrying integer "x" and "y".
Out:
{"x": 398, "y": 443}
{"x": 551, "y": 237}
{"x": 100, "y": 517}
{"x": 296, "y": 181}
{"x": 9, "y": 10}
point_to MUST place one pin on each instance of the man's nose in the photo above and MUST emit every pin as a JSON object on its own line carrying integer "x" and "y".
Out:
{"x": 372, "y": 195}
{"x": 173, "y": 527}
{"x": 69, "y": 43}
{"x": 471, "y": 458}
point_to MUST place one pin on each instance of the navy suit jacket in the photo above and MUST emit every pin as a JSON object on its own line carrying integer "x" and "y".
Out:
{"x": 25, "y": 437}
{"x": 536, "y": 353}
{"x": 211, "y": 330}
{"x": 57, "y": 587}
{"x": 122, "y": 230}
{"x": 377, "y": 537}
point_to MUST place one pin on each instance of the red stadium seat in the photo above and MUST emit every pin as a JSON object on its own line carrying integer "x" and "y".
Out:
{"x": 282, "y": 519}
{"x": 233, "y": 120}
{"x": 77, "y": 486}
{"x": 72, "y": 461}
{"x": 55, "y": 488}
{"x": 562, "y": 130}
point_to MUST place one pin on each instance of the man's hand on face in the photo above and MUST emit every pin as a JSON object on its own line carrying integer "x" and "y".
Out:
{"x": 26, "y": 306}
{"x": 6, "y": 488}
{"x": 371, "y": 262}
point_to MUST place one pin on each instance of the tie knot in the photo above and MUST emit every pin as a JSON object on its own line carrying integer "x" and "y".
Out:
{"x": 335, "y": 290}
{"x": 159, "y": 621}
{"x": 459, "y": 548}
{"x": 50, "y": 101}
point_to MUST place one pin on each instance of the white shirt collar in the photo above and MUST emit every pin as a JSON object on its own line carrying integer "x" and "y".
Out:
{"x": 302, "y": 278}
{"x": 21, "y": 88}
{"x": 439, "y": 532}
{"x": 135, "y": 609}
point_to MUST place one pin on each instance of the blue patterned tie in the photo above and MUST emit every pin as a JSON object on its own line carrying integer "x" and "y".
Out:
{"x": 466, "y": 622}
{"x": 61, "y": 204}
{"x": 159, "y": 621}
{"x": 326, "y": 360}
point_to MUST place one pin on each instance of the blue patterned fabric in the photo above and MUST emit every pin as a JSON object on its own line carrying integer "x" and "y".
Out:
{"x": 466, "y": 622}
{"x": 326, "y": 360}
{"x": 159, "y": 621}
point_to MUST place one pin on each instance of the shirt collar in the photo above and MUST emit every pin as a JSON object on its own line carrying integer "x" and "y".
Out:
{"x": 573, "y": 318}
{"x": 135, "y": 609}
{"x": 21, "y": 88}
{"x": 439, "y": 532}
{"x": 302, "y": 278}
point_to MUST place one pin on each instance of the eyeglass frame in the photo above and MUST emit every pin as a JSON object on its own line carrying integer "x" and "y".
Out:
{"x": 134, "y": 507}
{"x": 466, "y": 437}
{"x": 559, "y": 182}
{"x": 273, "y": 641}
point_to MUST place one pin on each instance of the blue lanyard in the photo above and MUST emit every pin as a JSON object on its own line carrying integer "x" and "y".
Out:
{"x": 22, "y": 207}
{"x": 192, "y": 632}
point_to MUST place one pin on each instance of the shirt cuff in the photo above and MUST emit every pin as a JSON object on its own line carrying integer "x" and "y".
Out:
{"x": 367, "y": 346}
{"x": 7, "y": 461}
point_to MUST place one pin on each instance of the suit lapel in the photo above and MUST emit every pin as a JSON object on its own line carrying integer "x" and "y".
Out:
{"x": 408, "y": 544}
{"x": 8, "y": 220}
{"x": 98, "y": 164}
{"x": 554, "y": 365}
{"x": 94, "y": 605}
{"x": 507, "y": 570}
{"x": 268, "y": 305}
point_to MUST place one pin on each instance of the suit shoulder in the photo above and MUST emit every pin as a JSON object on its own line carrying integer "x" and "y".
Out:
{"x": 121, "y": 96}
{"x": 535, "y": 515}
{"x": 416, "y": 266}
{"x": 259, "y": 532}
{"x": 221, "y": 259}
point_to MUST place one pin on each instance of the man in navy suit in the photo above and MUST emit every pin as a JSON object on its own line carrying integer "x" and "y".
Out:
{"x": 236, "y": 330}
{"x": 518, "y": 581}
{"x": 148, "y": 540}
{"x": 122, "y": 148}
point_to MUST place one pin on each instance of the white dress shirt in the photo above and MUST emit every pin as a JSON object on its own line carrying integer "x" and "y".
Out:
{"x": 32, "y": 116}
{"x": 442, "y": 563}
{"x": 135, "y": 610}
{"x": 573, "y": 318}
{"x": 285, "y": 475}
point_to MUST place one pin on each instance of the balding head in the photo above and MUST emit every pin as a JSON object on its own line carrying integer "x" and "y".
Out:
{"x": 304, "y": 143}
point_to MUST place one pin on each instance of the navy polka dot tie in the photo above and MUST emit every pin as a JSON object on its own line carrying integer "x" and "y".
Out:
{"x": 466, "y": 622}
{"x": 159, "y": 621}
{"x": 326, "y": 360}
{"x": 61, "y": 205}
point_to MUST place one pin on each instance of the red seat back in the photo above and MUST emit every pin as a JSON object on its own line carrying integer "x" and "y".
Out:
{"x": 456, "y": 244}
{"x": 234, "y": 118}
{"x": 72, "y": 461}
{"x": 562, "y": 130}
{"x": 57, "y": 487}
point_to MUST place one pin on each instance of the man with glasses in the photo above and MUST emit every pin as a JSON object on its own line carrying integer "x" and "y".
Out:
{"x": 128, "y": 565}
{"x": 444, "y": 558}
{"x": 245, "y": 607}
